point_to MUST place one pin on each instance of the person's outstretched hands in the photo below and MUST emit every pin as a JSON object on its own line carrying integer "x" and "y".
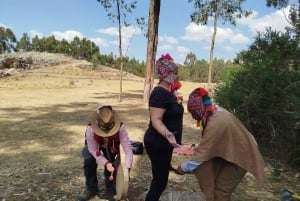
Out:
{"x": 171, "y": 138}
{"x": 179, "y": 170}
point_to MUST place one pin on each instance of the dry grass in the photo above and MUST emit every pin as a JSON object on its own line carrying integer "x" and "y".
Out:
{"x": 43, "y": 115}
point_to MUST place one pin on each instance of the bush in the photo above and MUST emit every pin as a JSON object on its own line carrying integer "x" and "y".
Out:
{"x": 265, "y": 95}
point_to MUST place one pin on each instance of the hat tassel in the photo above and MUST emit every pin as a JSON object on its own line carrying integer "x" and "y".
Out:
{"x": 113, "y": 149}
{"x": 199, "y": 124}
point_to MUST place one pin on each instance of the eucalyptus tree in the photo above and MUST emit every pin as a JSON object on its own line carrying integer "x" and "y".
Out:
{"x": 75, "y": 47}
{"x": 117, "y": 10}
{"x": 50, "y": 44}
{"x": 228, "y": 10}
{"x": 153, "y": 21}
{"x": 190, "y": 62}
{"x": 277, "y": 3}
{"x": 24, "y": 43}
{"x": 88, "y": 49}
{"x": 63, "y": 47}
{"x": 7, "y": 40}
{"x": 36, "y": 43}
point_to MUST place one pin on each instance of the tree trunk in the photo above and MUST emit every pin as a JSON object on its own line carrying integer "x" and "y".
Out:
{"x": 120, "y": 50}
{"x": 153, "y": 22}
{"x": 213, "y": 46}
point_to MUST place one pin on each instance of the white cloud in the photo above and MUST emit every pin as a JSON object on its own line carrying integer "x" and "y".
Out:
{"x": 116, "y": 42}
{"x": 100, "y": 42}
{"x": 182, "y": 49}
{"x": 112, "y": 31}
{"x": 127, "y": 34}
{"x": 67, "y": 35}
{"x": 229, "y": 35}
{"x": 276, "y": 20}
{"x": 229, "y": 48}
{"x": 3, "y": 25}
{"x": 168, "y": 39}
{"x": 165, "y": 47}
{"x": 239, "y": 38}
{"x": 34, "y": 33}
{"x": 199, "y": 33}
{"x": 131, "y": 31}
{"x": 194, "y": 32}
{"x": 206, "y": 47}
{"x": 182, "y": 52}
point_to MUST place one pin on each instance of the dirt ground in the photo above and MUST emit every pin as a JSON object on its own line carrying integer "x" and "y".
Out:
{"x": 43, "y": 116}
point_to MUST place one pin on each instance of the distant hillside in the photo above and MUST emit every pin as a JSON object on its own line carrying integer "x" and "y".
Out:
{"x": 13, "y": 63}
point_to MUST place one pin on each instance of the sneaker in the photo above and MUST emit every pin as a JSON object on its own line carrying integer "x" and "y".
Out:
{"x": 86, "y": 195}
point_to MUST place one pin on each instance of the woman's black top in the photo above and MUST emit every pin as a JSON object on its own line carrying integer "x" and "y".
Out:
{"x": 173, "y": 117}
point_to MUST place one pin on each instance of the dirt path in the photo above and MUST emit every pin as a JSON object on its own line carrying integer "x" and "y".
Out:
{"x": 43, "y": 115}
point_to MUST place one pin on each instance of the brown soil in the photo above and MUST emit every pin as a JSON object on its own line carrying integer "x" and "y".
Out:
{"x": 43, "y": 116}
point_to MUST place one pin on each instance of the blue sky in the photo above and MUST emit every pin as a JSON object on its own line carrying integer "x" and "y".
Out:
{"x": 177, "y": 35}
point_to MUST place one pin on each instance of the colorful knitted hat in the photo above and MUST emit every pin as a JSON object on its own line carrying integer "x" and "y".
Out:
{"x": 195, "y": 103}
{"x": 165, "y": 68}
{"x": 199, "y": 103}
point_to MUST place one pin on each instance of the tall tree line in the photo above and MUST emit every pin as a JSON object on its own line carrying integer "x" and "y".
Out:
{"x": 191, "y": 70}
{"x": 77, "y": 48}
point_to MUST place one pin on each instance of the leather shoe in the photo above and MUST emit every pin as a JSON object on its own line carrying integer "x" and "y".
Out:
{"x": 86, "y": 195}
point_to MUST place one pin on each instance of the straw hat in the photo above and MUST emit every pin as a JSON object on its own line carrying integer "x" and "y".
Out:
{"x": 105, "y": 121}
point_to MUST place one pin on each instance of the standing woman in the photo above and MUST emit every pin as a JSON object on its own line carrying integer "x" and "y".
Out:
{"x": 165, "y": 127}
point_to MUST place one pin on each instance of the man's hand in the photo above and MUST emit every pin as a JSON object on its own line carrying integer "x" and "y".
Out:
{"x": 179, "y": 170}
{"x": 109, "y": 167}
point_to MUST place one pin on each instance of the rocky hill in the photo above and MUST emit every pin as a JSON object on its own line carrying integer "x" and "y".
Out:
{"x": 14, "y": 63}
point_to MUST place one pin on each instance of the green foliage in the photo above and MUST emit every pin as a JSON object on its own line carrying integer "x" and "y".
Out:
{"x": 265, "y": 94}
{"x": 294, "y": 14}
{"x": 197, "y": 70}
{"x": 227, "y": 10}
{"x": 108, "y": 60}
{"x": 7, "y": 40}
{"x": 229, "y": 69}
{"x": 111, "y": 5}
{"x": 63, "y": 47}
{"x": 49, "y": 44}
{"x": 35, "y": 44}
{"x": 95, "y": 59}
{"x": 192, "y": 69}
{"x": 277, "y": 3}
{"x": 24, "y": 43}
